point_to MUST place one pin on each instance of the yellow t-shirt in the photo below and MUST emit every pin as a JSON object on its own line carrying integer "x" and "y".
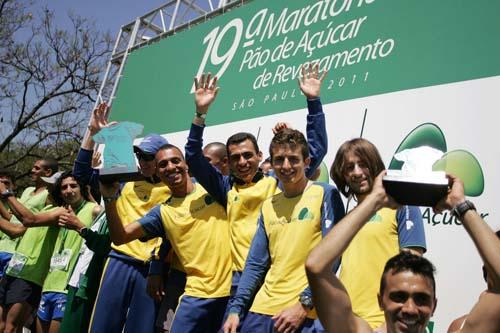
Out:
{"x": 243, "y": 210}
{"x": 293, "y": 229}
{"x": 135, "y": 200}
{"x": 198, "y": 230}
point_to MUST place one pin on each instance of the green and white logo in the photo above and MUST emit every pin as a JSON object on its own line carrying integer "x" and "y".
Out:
{"x": 458, "y": 162}
{"x": 305, "y": 214}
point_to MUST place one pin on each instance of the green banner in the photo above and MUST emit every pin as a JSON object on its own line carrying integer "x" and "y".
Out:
{"x": 369, "y": 47}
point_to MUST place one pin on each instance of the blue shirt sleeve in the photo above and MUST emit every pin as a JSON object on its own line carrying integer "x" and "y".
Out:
{"x": 256, "y": 267}
{"x": 316, "y": 135}
{"x": 411, "y": 227}
{"x": 152, "y": 224}
{"x": 207, "y": 175}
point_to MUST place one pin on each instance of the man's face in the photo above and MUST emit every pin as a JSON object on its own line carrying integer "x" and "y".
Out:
{"x": 7, "y": 182}
{"x": 171, "y": 168}
{"x": 408, "y": 302}
{"x": 289, "y": 164}
{"x": 147, "y": 163}
{"x": 244, "y": 160}
{"x": 357, "y": 175}
{"x": 39, "y": 170}
{"x": 213, "y": 157}
{"x": 70, "y": 191}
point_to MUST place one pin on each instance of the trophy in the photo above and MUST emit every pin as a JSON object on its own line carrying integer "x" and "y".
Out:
{"x": 416, "y": 184}
{"x": 118, "y": 155}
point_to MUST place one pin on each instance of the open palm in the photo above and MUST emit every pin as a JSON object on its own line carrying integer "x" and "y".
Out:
{"x": 311, "y": 80}
{"x": 205, "y": 92}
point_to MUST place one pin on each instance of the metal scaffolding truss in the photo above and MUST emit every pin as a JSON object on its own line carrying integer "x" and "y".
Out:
{"x": 172, "y": 17}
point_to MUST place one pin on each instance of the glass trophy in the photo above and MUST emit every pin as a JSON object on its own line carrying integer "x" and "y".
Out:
{"x": 119, "y": 163}
{"x": 416, "y": 184}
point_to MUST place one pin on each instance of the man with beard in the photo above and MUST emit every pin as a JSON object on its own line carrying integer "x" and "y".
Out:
{"x": 386, "y": 233}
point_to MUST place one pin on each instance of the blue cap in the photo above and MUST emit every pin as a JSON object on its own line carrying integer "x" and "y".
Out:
{"x": 151, "y": 144}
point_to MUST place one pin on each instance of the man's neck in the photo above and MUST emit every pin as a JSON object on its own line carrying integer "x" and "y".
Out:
{"x": 77, "y": 205}
{"x": 292, "y": 190}
{"x": 39, "y": 187}
{"x": 184, "y": 190}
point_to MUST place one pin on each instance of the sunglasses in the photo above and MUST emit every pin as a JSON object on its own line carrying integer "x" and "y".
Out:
{"x": 145, "y": 157}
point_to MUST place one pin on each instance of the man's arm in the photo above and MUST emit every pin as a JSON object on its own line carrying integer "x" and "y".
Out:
{"x": 256, "y": 267}
{"x": 207, "y": 175}
{"x": 484, "y": 315}
{"x": 310, "y": 85}
{"x": 28, "y": 219}
{"x": 330, "y": 297}
{"x": 4, "y": 212}
{"x": 411, "y": 232}
{"x": 119, "y": 233}
{"x": 13, "y": 230}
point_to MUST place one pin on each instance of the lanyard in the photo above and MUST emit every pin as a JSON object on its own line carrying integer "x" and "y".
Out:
{"x": 65, "y": 231}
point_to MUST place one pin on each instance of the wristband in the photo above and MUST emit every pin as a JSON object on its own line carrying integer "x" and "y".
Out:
{"x": 7, "y": 193}
{"x": 459, "y": 210}
{"x": 200, "y": 115}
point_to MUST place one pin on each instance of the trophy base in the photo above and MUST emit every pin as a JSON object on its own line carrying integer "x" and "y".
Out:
{"x": 416, "y": 191}
{"x": 107, "y": 178}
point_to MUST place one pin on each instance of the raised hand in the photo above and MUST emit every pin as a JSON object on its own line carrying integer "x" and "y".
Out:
{"x": 454, "y": 197}
{"x": 311, "y": 80}
{"x": 205, "y": 92}
{"x": 280, "y": 126}
{"x": 98, "y": 119}
{"x": 378, "y": 192}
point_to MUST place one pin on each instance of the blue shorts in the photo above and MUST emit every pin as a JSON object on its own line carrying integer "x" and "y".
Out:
{"x": 194, "y": 314}
{"x": 256, "y": 322}
{"x": 51, "y": 306}
{"x": 4, "y": 261}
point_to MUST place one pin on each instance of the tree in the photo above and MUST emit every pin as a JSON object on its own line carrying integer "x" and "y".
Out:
{"x": 49, "y": 78}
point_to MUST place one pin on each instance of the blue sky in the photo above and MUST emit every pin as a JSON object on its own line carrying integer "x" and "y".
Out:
{"x": 108, "y": 15}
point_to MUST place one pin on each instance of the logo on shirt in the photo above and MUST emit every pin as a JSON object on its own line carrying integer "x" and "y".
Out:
{"x": 409, "y": 224}
{"x": 376, "y": 218}
{"x": 208, "y": 200}
{"x": 305, "y": 214}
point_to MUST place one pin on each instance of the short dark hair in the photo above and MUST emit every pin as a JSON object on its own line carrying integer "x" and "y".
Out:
{"x": 8, "y": 173}
{"x": 292, "y": 138}
{"x": 170, "y": 146}
{"x": 50, "y": 163}
{"x": 239, "y": 138}
{"x": 219, "y": 147}
{"x": 407, "y": 261}
{"x": 56, "y": 190}
{"x": 366, "y": 151}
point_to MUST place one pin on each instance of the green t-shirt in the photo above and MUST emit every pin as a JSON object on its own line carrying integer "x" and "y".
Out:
{"x": 34, "y": 203}
{"x": 66, "y": 252}
{"x": 31, "y": 259}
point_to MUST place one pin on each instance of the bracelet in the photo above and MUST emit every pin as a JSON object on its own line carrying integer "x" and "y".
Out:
{"x": 200, "y": 115}
{"x": 109, "y": 199}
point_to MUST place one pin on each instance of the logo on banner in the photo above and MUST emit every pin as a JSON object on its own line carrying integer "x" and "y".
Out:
{"x": 458, "y": 162}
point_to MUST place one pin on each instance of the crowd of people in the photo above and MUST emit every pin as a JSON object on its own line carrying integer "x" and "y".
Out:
{"x": 217, "y": 239}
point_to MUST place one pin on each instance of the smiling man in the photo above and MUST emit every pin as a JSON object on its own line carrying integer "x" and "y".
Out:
{"x": 291, "y": 224}
{"x": 244, "y": 191}
{"x": 407, "y": 294}
{"x": 196, "y": 227}
{"x": 386, "y": 233}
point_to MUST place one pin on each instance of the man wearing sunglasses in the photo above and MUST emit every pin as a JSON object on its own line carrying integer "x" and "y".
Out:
{"x": 123, "y": 285}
